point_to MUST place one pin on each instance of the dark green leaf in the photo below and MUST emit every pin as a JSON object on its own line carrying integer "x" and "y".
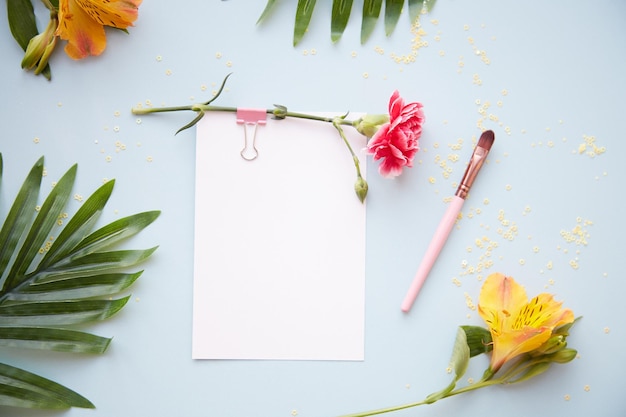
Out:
{"x": 23, "y": 25}
{"x": 39, "y": 232}
{"x": 266, "y": 12}
{"x": 478, "y": 340}
{"x": 112, "y": 234}
{"x": 340, "y": 16}
{"x": 20, "y": 388}
{"x": 393, "y": 9}
{"x": 59, "y": 313}
{"x": 303, "y": 18}
{"x": 22, "y": 21}
{"x": 93, "y": 263}
{"x": 64, "y": 288}
{"x": 371, "y": 12}
{"x": 72, "y": 283}
{"x": 59, "y": 340}
{"x": 196, "y": 119}
{"x": 19, "y": 216}
{"x": 79, "y": 225}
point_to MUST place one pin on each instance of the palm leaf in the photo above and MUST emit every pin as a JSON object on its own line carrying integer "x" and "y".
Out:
{"x": 267, "y": 11}
{"x": 303, "y": 18}
{"x": 393, "y": 9}
{"x": 20, "y": 388}
{"x": 415, "y": 8}
{"x": 371, "y": 11}
{"x": 341, "y": 13}
{"x": 53, "y": 283}
{"x": 340, "y": 16}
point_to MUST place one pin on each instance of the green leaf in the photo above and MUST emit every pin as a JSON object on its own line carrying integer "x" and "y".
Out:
{"x": 22, "y": 21}
{"x": 429, "y": 5}
{"x": 20, "y": 388}
{"x": 92, "y": 263}
{"x": 23, "y": 25}
{"x": 303, "y": 18}
{"x": 48, "y": 216}
{"x": 107, "y": 236}
{"x": 393, "y": 9}
{"x": 73, "y": 281}
{"x": 64, "y": 288}
{"x": 459, "y": 362}
{"x": 79, "y": 225}
{"x": 478, "y": 340}
{"x": 460, "y": 354}
{"x": 340, "y": 16}
{"x": 20, "y": 215}
{"x": 59, "y": 313}
{"x": 415, "y": 8}
{"x": 59, "y": 340}
{"x": 196, "y": 119}
{"x": 269, "y": 7}
{"x": 371, "y": 12}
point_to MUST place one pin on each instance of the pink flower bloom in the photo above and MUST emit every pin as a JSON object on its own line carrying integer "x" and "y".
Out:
{"x": 397, "y": 142}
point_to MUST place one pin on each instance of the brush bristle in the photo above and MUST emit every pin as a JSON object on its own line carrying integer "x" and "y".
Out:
{"x": 486, "y": 139}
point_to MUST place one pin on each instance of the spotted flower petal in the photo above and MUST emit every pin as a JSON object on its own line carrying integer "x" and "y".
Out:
{"x": 81, "y": 23}
{"x": 517, "y": 325}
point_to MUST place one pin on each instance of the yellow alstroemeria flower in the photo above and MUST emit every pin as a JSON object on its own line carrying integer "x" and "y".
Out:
{"x": 517, "y": 325}
{"x": 81, "y": 23}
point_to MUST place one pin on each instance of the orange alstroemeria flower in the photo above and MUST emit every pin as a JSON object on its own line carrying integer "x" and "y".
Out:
{"x": 81, "y": 23}
{"x": 517, "y": 325}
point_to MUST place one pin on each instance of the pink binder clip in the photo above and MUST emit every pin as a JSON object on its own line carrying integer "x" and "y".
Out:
{"x": 249, "y": 117}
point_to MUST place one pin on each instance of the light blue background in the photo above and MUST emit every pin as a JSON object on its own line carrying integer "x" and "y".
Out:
{"x": 562, "y": 66}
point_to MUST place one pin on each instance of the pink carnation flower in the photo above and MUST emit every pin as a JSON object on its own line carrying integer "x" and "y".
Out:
{"x": 397, "y": 142}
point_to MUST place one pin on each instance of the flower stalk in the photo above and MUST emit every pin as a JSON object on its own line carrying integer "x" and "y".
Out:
{"x": 545, "y": 318}
{"x": 392, "y": 138}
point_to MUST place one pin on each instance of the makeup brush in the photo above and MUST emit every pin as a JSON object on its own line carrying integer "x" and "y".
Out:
{"x": 447, "y": 222}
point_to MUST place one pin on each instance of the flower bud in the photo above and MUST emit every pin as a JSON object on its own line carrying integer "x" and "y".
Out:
{"x": 40, "y": 47}
{"x": 360, "y": 187}
{"x": 554, "y": 344}
{"x": 563, "y": 355}
{"x": 280, "y": 112}
{"x": 368, "y": 125}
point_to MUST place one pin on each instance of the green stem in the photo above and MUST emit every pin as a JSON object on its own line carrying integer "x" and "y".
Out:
{"x": 337, "y": 124}
{"x": 205, "y": 108}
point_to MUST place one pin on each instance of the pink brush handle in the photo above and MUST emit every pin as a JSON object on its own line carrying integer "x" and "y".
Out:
{"x": 439, "y": 239}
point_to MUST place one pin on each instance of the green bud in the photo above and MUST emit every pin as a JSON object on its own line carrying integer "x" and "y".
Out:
{"x": 563, "y": 355}
{"x": 360, "y": 187}
{"x": 554, "y": 344}
{"x": 280, "y": 112}
{"x": 40, "y": 47}
{"x": 368, "y": 125}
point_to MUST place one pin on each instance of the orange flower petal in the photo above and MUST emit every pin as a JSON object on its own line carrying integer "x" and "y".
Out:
{"x": 116, "y": 13}
{"x": 85, "y": 36}
{"x": 81, "y": 23}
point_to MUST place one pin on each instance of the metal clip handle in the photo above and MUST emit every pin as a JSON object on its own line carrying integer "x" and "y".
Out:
{"x": 250, "y": 117}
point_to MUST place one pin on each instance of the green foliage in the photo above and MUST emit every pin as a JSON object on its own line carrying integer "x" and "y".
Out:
{"x": 50, "y": 284}
{"x": 341, "y": 14}
{"x": 21, "y": 16}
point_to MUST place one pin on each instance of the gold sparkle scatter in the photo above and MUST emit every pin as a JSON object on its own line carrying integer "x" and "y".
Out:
{"x": 589, "y": 147}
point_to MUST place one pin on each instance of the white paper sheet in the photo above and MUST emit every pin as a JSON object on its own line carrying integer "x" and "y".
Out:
{"x": 279, "y": 243}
